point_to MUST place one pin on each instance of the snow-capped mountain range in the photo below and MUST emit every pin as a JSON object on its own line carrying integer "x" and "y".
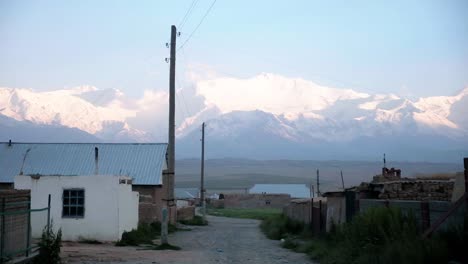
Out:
{"x": 267, "y": 116}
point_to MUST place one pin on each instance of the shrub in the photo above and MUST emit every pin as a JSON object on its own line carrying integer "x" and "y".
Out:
{"x": 379, "y": 235}
{"x": 195, "y": 221}
{"x": 280, "y": 226}
{"x": 144, "y": 234}
{"x": 49, "y": 247}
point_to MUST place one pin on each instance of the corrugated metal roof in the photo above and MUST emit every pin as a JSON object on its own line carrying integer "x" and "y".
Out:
{"x": 186, "y": 193}
{"x": 143, "y": 162}
{"x": 295, "y": 190}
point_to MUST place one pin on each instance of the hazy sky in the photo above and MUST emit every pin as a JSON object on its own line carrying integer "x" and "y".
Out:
{"x": 417, "y": 48}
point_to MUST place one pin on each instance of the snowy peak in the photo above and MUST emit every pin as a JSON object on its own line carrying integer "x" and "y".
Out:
{"x": 271, "y": 93}
{"x": 63, "y": 107}
{"x": 268, "y": 106}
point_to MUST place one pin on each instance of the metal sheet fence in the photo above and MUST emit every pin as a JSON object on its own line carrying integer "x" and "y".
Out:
{"x": 16, "y": 219}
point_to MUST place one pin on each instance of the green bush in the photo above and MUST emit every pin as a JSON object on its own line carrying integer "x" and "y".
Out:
{"x": 144, "y": 234}
{"x": 195, "y": 221}
{"x": 280, "y": 226}
{"x": 49, "y": 247}
{"x": 379, "y": 235}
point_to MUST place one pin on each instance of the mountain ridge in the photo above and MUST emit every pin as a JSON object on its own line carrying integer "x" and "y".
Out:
{"x": 266, "y": 114}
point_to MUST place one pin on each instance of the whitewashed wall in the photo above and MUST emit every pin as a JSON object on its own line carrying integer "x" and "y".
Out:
{"x": 110, "y": 207}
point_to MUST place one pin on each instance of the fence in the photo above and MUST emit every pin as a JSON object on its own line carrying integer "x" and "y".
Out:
{"x": 16, "y": 219}
{"x": 426, "y": 213}
{"x": 311, "y": 212}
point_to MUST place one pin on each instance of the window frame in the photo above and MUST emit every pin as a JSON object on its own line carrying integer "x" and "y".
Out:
{"x": 75, "y": 205}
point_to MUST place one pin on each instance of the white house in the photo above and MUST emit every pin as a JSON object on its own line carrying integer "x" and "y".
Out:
{"x": 98, "y": 190}
{"x": 84, "y": 207}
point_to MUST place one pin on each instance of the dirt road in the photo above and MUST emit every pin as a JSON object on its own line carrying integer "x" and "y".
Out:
{"x": 224, "y": 240}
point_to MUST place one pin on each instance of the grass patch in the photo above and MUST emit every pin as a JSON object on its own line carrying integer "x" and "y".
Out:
{"x": 259, "y": 214}
{"x": 195, "y": 221}
{"x": 144, "y": 234}
{"x": 379, "y": 235}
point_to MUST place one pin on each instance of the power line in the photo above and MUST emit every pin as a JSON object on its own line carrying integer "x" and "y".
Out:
{"x": 188, "y": 13}
{"x": 196, "y": 28}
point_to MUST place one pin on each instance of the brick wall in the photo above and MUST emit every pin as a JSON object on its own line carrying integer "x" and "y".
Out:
{"x": 6, "y": 186}
{"x": 15, "y": 231}
{"x": 256, "y": 200}
{"x": 151, "y": 202}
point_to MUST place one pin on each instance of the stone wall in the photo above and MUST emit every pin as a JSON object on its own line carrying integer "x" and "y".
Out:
{"x": 256, "y": 200}
{"x": 417, "y": 190}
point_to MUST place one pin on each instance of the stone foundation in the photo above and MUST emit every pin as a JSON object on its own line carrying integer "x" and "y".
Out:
{"x": 417, "y": 190}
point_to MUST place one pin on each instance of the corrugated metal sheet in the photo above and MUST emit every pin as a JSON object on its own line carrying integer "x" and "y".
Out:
{"x": 186, "y": 193}
{"x": 143, "y": 162}
{"x": 295, "y": 190}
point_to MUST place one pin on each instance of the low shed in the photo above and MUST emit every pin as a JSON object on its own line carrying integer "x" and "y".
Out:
{"x": 98, "y": 189}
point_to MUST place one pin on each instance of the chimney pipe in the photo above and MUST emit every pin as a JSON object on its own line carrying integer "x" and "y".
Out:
{"x": 96, "y": 160}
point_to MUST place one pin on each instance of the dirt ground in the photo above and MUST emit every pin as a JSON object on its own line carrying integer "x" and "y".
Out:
{"x": 224, "y": 240}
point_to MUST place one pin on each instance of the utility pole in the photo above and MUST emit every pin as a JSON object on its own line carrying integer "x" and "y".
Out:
{"x": 342, "y": 181}
{"x": 168, "y": 175}
{"x": 318, "y": 183}
{"x": 202, "y": 175}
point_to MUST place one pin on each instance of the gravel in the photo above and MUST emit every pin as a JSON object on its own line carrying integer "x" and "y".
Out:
{"x": 223, "y": 240}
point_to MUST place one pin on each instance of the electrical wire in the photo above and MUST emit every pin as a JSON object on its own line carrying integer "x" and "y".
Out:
{"x": 188, "y": 13}
{"x": 199, "y": 24}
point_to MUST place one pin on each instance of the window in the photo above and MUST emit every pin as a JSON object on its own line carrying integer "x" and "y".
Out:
{"x": 73, "y": 203}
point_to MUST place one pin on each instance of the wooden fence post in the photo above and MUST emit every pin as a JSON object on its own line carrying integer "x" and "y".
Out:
{"x": 425, "y": 215}
{"x": 2, "y": 235}
{"x": 465, "y": 162}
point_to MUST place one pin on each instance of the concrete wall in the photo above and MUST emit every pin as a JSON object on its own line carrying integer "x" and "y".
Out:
{"x": 336, "y": 211}
{"x": 256, "y": 200}
{"x": 111, "y": 207}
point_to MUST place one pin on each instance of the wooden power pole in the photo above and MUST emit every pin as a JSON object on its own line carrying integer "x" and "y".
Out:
{"x": 168, "y": 175}
{"x": 342, "y": 181}
{"x": 318, "y": 183}
{"x": 202, "y": 172}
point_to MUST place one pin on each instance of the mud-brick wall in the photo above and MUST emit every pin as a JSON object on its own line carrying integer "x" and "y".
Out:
{"x": 185, "y": 213}
{"x": 256, "y": 200}
{"x": 16, "y": 224}
{"x": 150, "y": 205}
{"x": 418, "y": 190}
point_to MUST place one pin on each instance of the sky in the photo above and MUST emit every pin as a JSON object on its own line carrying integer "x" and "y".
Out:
{"x": 410, "y": 48}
